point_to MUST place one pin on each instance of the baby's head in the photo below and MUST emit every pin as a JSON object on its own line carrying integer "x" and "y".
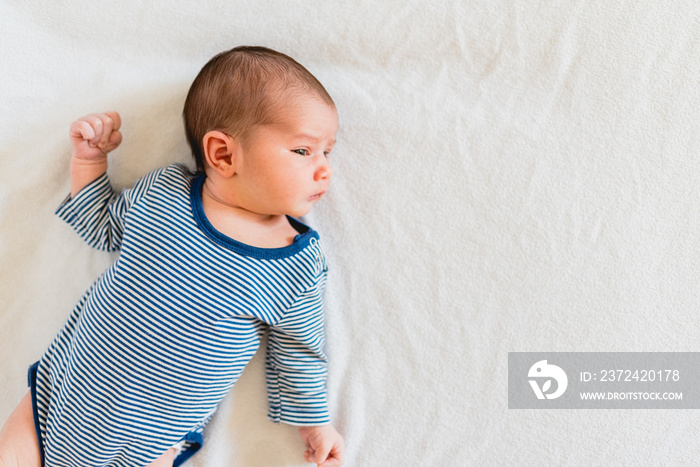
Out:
{"x": 242, "y": 89}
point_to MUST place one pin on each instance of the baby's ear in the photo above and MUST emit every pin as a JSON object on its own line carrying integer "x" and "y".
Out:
{"x": 220, "y": 151}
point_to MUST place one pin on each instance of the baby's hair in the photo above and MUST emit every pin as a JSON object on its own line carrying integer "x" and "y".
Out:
{"x": 243, "y": 88}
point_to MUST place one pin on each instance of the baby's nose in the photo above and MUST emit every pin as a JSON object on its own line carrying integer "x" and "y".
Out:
{"x": 324, "y": 170}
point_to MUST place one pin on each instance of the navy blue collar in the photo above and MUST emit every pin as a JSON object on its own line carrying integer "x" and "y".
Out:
{"x": 301, "y": 241}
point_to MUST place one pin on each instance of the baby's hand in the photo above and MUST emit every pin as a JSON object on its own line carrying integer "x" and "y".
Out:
{"x": 94, "y": 135}
{"x": 325, "y": 445}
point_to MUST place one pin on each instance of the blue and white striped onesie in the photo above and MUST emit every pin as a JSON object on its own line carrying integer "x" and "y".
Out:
{"x": 160, "y": 338}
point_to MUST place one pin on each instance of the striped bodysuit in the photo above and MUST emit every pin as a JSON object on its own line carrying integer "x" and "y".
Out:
{"x": 159, "y": 339}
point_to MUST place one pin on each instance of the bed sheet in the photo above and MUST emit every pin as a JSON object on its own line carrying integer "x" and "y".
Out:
{"x": 509, "y": 176}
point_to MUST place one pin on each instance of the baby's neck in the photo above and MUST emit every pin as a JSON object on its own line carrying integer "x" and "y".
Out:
{"x": 245, "y": 226}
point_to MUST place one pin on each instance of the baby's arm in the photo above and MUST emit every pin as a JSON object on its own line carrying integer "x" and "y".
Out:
{"x": 324, "y": 445}
{"x": 93, "y": 136}
{"x": 94, "y": 211}
{"x": 296, "y": 375}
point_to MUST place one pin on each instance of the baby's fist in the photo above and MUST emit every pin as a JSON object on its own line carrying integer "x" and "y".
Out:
{"x": 324, "y": 445}
{"x": 95, "y": 135}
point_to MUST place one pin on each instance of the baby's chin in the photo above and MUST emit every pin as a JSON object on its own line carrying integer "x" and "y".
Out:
{"x": 302, "y": 210}
{"x": 299, "y": 213}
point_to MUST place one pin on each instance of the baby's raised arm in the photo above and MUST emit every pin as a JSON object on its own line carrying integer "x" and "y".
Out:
{"x": 93, "y": 136}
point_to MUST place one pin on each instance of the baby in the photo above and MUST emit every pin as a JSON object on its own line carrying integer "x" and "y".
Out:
{"x": 207, "y": 263}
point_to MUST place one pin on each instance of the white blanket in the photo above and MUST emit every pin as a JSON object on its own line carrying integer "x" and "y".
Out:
{"x": 509, "y": 176}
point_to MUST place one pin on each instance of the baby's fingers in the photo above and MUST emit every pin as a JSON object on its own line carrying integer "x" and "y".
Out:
{"x": 81, "y": 130}
{"x": 96, "y": 129}
{"x": 115, "y": 139}
{"x": 111, "y": 122}
{"x": 334, "y": 459}
{"x": 116, "y": 119}
{"x": 102, "y": 125}
{"x": 96, "y": 134}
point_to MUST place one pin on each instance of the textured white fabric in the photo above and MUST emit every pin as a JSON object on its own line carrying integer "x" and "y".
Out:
{"x": 509, "y": 176}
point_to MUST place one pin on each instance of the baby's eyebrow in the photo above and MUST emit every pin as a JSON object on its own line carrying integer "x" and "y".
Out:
{"x": 306, "y": 136}
{"x": 312, "y": 138}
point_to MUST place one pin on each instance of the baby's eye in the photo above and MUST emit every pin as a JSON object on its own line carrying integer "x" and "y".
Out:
{"x": 301, "y": 152}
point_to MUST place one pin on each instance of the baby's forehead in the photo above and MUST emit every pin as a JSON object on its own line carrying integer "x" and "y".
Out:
{"x": 307, "y": 118}
{"x": 297, "y": 102}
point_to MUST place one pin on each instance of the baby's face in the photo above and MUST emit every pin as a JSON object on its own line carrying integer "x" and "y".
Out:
{"x": 286, "y": 167}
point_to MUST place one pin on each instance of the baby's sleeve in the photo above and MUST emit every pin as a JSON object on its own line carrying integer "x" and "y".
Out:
{"x": 98, "y": 215}
{"x": 296, "y": 364}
